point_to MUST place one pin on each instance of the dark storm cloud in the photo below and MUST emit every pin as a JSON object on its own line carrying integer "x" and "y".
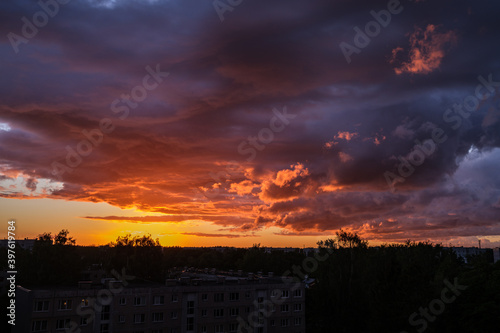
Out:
{"x": 226, "y": 78}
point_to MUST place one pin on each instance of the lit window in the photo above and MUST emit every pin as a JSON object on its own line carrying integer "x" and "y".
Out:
{"x": 65, "y": 304}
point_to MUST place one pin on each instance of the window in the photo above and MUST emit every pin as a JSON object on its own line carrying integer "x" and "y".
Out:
{"x": 203, "y": 329}
{"x": 234, "y": 296}
{"x": 261, "y": 318}
{"x": 219, "y": 328}
{"x": 273, "y": 323}
{"x": 204, "y": 312}
{"x": 190, "y": 324}
{"x": 157, "y": 331}
{"x": 62, "y": 324}
{"x": 248, "y": 294}
{"x": 41, "y": 306}
{"x": 219, "y": 297}
{"x": 121, "y": 318}
{"x": 285, "y": 294}
{"x": 175, "y": 298}
{"x": 284, "y": 322}
{"x": 84, "y": 321}
{"x": 233, "y": 328}
{"x": 84, "y": 303}
{"x": 190, "y": 307}
{"x": 104, "y": 328}
{"x": 260, "y": 299}
{"x": 157, "y": 317}
{"x": 274, "y": 293}
{"x": 139, "y": 318}
{"x": 297, "y": 307}
{"x": 139, "y": 301}
{"x": 218, "y": 313}
{"x": 273, "y": 308}
{"x": 123, "y": 301}
{"x": 65, "y": 304}
{"x": 173, "y": 315}
{"x": 105, "y": 312}
{"x": 284, "y": 307}
{"x": 297, "y": 293}
{"x": 298, "y": 321}
{"x": 234, "y": 312}
{"x": 39, "y": 325}
{"x": 158, "y": 300}
{"x": 204, "y": 297}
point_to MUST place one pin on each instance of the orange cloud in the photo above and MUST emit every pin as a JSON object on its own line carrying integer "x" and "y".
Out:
{"x": 286, "y": 176}
{"x": 346, "y": 135}
{"x": 427, "y": 50}
{"x": 244, "y": 187}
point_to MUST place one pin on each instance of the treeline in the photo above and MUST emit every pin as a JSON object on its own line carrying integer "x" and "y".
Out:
{"x": 414, "y": 287}
{"x": 391, "y": 288}
{"x": 56, "y": 260}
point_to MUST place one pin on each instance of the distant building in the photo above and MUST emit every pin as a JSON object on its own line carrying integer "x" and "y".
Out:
{"x": 26, "y": 243}
{"x": 466, "y": 252}
{"x": 496, "y": 254}
{"x": 200, "y": 303}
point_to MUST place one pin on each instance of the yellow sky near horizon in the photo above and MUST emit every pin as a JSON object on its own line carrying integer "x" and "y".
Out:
{"x": 35, "y": 216}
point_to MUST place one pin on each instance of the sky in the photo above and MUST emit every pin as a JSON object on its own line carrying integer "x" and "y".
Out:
{"x": 240, "y": 122}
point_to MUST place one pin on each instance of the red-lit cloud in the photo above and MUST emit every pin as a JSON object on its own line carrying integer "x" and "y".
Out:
{"x": 427, "y": 50}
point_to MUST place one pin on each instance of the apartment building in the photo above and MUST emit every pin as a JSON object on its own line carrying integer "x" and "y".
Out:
{"x": 201, "y": 303}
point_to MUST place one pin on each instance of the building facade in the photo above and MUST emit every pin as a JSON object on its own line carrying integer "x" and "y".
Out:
{"x": 496, "y": 254}
{"x": 201, "y": 304}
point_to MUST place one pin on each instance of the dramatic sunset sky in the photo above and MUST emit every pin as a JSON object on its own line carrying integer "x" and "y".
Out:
{"x": 274, "y": 124}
